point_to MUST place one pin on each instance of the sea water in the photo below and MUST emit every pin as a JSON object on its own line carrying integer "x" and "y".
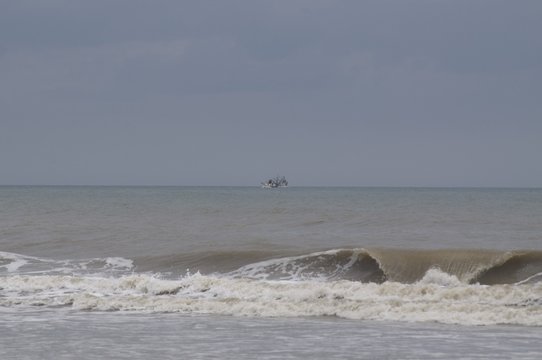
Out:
{"x": 241, "y": 272}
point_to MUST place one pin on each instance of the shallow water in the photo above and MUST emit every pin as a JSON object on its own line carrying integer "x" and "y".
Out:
{"x": 75, "y": 335}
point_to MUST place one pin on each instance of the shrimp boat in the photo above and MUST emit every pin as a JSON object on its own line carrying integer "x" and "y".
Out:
{"x": 276, "y": 182}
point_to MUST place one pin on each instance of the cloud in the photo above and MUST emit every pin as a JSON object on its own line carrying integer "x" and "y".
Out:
{"x": 355, "y": 85}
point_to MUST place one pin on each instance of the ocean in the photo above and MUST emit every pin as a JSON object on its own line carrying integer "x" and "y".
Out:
{"x": 288, "y": 273}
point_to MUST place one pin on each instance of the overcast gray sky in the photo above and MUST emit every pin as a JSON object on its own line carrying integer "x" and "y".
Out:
{"x": 368, "y": 93}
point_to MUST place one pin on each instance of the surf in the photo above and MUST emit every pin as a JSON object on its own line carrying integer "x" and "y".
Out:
{"x": 467, "y": 287}
{"x": 366, "y": 265}
{"x": 437, "y": 297}
{"x": 486, "y": 267}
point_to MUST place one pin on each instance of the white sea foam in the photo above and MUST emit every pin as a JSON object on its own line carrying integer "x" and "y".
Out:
{"x": 531, "y": 279}
{"x": 12, "y": 262}
{"x": 314, "y": 266}
{"x": 432, "y": 299}
{"x": 437, "y": 277}
{"x": 23, "y": 264}
{"x": 119, "y": 263}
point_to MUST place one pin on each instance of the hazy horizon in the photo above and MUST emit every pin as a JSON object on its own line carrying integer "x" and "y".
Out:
{"x": 327, "y": 93}
{"x": 413, "y": 187}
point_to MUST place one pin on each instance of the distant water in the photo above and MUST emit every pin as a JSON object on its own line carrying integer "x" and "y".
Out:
{"x": 133, "y": 272}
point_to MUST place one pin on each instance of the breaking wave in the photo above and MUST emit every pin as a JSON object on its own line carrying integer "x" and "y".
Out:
{"x": 449, "y": 286}
{"x": 486, "y": 267}
{"x": 377, "y": 265}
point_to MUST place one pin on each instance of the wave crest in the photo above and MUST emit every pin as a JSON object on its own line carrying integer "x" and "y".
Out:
{"x": 343, "y": 264}
{"x": 486, "y": 267}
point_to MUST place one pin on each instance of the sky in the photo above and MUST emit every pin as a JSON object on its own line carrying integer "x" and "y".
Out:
{"x": 326, "y": 93}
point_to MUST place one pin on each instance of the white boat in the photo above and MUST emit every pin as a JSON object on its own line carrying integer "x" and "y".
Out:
{"x": 275, "y": 183}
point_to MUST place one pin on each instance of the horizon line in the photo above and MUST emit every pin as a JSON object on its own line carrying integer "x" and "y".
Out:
{"x": 290, "y": 186}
